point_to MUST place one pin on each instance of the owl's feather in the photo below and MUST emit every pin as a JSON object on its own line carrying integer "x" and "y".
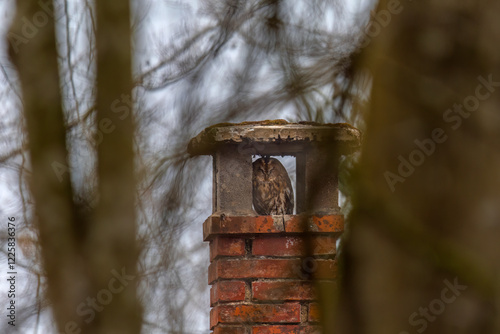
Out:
{"x": 272, "y": 188}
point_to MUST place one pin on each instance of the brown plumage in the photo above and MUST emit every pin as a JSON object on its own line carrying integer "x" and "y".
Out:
{"x": 272, "y": 189}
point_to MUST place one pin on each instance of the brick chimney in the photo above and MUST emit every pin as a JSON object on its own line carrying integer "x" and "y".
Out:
{"x": 268, "y": 273}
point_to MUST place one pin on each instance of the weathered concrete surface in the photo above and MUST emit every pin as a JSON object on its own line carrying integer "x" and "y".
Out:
{"x": 232, "y": 182}
{"x": 275, "y": 137}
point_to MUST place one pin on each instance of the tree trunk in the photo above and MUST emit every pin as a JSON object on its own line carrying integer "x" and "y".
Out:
{"x": 113, "y": 231}
{"x": 89, "y": 260}
{"x": 423, "y": 250}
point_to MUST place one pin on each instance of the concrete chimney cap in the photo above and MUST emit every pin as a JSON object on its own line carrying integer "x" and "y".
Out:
{"x": 275, "y": 137}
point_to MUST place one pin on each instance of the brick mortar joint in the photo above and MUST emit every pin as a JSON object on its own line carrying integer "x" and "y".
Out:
{"x": 273, "y": 257}
{"x": 265, "y": 235}
{"x": 263, "y": 303}
{"x": 275, "y": 280}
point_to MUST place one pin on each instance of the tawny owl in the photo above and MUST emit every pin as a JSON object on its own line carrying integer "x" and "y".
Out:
{"x": 272, "y": 189}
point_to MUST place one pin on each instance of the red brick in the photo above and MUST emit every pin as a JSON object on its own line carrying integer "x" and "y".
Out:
{"x": 238, "y": 225}
{"x": 271, "y": 268}
{"x": 325, "y": 269}
{"x": 324, "y": 245}
{"x": 221, "y": 246}
{"x": 275, "y": 329}
{"x": 314, "y": 312}
{"x": 323, "y": 224}
{"x": 289, "y": 290}
{"x": 283, "y": 290}
{"x": 214, "y": 225}
{"x": 227, "y": 291}
{"x": 229, "y": 330}
{"x": 260, "y": 313}
{"x": 213, "y": 318}
{"x": 290, "y": 329}
{"x": 293, "y": 246}
{"x": 310, "y": 330}
{"x": 254, "y": 268}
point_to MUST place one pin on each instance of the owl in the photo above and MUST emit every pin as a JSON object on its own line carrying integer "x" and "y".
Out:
{"x": 272, "y": 189}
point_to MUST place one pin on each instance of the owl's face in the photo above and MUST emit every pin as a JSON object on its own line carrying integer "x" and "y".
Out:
{"x": 264, "y": 168}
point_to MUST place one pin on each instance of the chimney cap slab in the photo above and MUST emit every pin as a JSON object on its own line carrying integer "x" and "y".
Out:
{"x": 275, "y": 137}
